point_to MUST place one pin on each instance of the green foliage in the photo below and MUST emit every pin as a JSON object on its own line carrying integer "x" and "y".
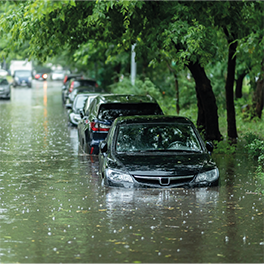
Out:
{"x": 256, "y": 150}
{"x": 224, "y": 147}
{"x": 140, "y": 88}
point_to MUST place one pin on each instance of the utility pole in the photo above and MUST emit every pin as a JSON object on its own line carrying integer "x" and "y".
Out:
{"x": 133, "y": 64}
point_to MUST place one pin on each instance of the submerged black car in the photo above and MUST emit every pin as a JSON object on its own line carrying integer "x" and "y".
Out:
{"x": 98, "y": 117}
{"x": 156, "y": 151}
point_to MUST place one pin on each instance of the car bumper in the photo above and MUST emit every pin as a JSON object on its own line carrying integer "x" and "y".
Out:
{"x": 158, "y": 184}
{"x": 4, "y": 93}
{"x": 22, "y": 83}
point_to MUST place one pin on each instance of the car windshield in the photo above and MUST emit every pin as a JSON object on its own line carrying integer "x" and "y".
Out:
{"x": 79, "y": 103}
{"x": 3, "y": 81}
{"x": 112, "y": 111}
{"x": 23, "y": 73}
{"x": 157, "y": 137}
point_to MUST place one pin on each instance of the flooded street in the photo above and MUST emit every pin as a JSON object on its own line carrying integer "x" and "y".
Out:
{"x": 54, "y": 209}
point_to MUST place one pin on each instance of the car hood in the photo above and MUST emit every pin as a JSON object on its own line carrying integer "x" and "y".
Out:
{"x": 164, "y": 165}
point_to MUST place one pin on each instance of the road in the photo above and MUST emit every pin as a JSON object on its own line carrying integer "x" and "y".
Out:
{"x": 53, "y": 207}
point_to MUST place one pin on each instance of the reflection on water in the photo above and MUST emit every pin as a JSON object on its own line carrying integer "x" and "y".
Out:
{"x": 54, "y": 209}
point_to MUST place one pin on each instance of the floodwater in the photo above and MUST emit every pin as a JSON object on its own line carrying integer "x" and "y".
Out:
{"x": 54, "y": 209}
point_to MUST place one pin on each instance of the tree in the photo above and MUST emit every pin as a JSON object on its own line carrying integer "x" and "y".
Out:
{"x": 184, "y": 31}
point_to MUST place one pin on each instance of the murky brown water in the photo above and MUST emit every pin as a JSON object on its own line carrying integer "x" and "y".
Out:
{"x": 54, "y": 209}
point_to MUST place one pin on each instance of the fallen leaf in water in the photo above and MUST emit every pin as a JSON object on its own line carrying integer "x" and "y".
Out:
{"x": 220, "y": 255}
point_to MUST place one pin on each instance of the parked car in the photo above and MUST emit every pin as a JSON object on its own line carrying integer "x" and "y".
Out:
{"x": 97, "y": 119}
{"x": 81, "y": 100}
{"x": 66, "y": 81}
{"x": 82, "y": 89}
{"x": 156, "y": 152}
{"x": 5, "y": 91}
{"x": 22, "y": 78}
{"x": 76, "y": 82}
{"x": 41, "y": 76}
{"x": 58, "y": 75}
{"x": 68, "y": 77}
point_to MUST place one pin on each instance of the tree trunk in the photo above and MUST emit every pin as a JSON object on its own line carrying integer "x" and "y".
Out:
{"x": 258, "y": 98}
{"x": 207, "y": 108}
{"x": 229, "y": 89}
{"x": 239, "y": 84}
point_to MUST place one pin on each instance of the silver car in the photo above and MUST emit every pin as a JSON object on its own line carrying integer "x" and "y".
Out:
{"x": 5, "y": 91}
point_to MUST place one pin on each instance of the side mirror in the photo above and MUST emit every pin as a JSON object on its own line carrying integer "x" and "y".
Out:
{"x": 209, "y": 146}
{"x": 103, "y": 146}
{"x": 68, "y": 106}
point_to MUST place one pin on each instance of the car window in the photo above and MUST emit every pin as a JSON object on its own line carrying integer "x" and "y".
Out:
{"x": 112, "y": 111}
{"x": 87, "y": 83}
{"x": 22, "y": 73}
{"x": 79, "y": 102}
{"x": 166, "y": 137}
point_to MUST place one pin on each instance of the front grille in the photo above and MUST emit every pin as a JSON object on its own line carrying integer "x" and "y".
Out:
{"x": 164, "y": 181}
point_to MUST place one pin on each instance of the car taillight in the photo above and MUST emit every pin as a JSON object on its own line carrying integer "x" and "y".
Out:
{"x": 65, "y": 79}
{"x": 37, "y": 76}
{"x": 96, "y": 85}
{"x": 71, "y": 88}
{"x": 44, "y": 76}
{"x": 99, "y": 127}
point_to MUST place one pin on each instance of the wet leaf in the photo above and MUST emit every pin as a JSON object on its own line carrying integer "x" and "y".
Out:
{"x": 112, "y": 240}
{"x": 102, "y": 210}
{"x": 167, "y": 256}
{"x": 172, "y": 226}
{"x": 169, "y": 208}
{"x": 220, "y": 255}
{"x": 136, "y": 234}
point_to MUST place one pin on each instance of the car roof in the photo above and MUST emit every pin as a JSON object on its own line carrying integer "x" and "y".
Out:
{"x": 126, "y": 98}
{"x": 84, "y": 94}
{"x": 152, "y": 119}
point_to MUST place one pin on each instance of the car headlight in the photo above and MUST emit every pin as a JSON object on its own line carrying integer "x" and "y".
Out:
{"x": 208, "y": 176}
{"x": 118, "y": 176}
